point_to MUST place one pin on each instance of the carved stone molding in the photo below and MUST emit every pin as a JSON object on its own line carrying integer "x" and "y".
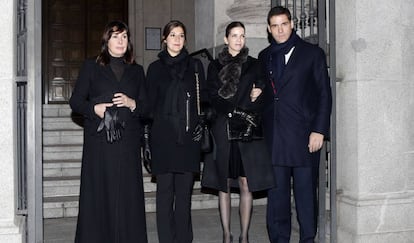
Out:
{"x": 251, "y": 13}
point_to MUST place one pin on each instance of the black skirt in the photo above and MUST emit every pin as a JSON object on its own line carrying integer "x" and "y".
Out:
{"x": 235, "y": 162}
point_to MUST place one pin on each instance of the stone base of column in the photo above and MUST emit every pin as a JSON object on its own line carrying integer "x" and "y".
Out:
{"x": 12, "y": 231}
{"x": 376, "y": 219}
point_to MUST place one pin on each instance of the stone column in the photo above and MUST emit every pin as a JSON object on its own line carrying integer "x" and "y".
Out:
{"x": 11, "y": 226}
{"x": 375, "y": 119}
{"x": 251, "y": 13}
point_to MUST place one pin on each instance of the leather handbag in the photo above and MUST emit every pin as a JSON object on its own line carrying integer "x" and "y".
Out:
{"x": 244, "y": 126}
{"x": 206, "y": 138}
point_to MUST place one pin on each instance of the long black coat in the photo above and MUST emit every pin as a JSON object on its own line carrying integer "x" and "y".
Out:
{"x": 255, "y": 156}
{"x": 169, "y": 155}
{"x": 111, "y": 203}
{"x": 301, "y": 105}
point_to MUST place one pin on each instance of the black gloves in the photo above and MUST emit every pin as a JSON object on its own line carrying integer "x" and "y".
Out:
{"x": 198, "y": 130}
{"x": 250, "y": 122}
{"x": 204, "y": 120}
{"x": 112, "y": 125}
{"x": 146, "y": 149}
{"x": 250, "y": 118}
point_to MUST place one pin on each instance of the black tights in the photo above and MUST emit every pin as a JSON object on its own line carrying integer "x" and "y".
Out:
{"x": 245, "y": 210}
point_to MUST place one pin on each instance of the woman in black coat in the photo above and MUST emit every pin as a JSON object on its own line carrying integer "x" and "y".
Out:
{"x": 235, "y": 85}
{"x": 109, "y": 94}
{"x": 175, "y": 156}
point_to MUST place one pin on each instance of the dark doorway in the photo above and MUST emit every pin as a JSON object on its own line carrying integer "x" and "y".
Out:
{"x": 71, "y": 32}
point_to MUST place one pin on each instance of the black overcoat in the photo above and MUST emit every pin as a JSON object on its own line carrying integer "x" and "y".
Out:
{"x": 169, "y": 154}
{"x": 254, "y": 154}
{"x": 111, "y": 203}
{"x": 301, "y": 105}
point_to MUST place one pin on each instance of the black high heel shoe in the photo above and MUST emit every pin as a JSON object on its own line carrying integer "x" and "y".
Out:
{"x": 241, "y": 239}
{"x": 231, "y": 239}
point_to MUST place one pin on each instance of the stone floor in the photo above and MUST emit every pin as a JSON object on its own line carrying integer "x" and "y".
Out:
{"x": 206, "y": 227}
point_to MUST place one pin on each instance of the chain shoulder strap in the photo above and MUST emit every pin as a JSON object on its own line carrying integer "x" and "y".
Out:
{"x": 197, "y": 88}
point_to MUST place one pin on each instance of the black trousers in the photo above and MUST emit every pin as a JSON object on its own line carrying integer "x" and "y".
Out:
{"x": 279, "y": 206}
{"x": 173, "y": 205}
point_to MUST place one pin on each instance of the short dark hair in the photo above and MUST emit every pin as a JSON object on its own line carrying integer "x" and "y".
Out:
{"x": 233, "y": 25}
{"x": 170, "y": 26}
{"x": 278, "y": 10}
{"x": 115, "y": 26}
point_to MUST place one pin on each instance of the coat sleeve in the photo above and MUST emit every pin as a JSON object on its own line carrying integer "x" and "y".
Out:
{"x": 259, "y": 82}
{"x": 80, "y": 100}
{"x": 152, "y": 88}
{"x": 320, "y": 74}
{"x": 142, "y": 106}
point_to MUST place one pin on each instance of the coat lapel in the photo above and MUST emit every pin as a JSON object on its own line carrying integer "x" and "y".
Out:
{"x": 108, "y": 73}
{"x": 289, "y": 69}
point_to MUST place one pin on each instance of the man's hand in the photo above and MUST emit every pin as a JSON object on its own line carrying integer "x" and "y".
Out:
{"x": 315, "y": 142}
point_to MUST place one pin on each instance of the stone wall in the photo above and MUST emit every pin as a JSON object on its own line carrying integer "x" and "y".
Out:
{"x": 11, "y": 226}
{"x": 375, "y": 108}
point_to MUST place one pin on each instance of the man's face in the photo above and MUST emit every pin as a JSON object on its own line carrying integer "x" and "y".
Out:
{"x": 280, "y": 27}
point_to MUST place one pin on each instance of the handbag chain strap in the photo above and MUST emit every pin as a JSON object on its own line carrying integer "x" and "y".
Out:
{"x": 197, "y": 89}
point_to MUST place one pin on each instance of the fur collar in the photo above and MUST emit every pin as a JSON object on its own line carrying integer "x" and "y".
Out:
{"x": 231, "y": 71}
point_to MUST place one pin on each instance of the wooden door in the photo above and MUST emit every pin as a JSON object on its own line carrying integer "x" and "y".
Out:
{"x": 72, "y": 31}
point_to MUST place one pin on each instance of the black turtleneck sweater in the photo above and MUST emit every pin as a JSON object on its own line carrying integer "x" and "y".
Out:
{"x": 117, "y": 65}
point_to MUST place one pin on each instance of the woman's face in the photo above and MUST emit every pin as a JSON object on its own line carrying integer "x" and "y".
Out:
{"x": 175, "y": 41}
{"x": 118, "y": 43}
{"x": 235, "y": 40}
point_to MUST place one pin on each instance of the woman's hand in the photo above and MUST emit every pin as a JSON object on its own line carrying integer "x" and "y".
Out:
{"x": 256, "y": 92}
{"x": 101, "y": 108}
{"x": 122, "y": 100}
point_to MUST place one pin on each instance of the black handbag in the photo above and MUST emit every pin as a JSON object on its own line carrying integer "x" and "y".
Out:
{"x": 244, "y": 126}
{"x": 206, "y": 139}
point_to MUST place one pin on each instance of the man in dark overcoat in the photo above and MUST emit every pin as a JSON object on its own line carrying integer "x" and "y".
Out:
{"x": 296, "y": 122}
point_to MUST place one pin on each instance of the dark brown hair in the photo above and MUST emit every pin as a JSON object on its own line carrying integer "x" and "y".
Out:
{"x": 278, "y": 10}
{"x": 171, "y": 25}
{"x": 114, "y": 27}
{"x": 233, "y": 25}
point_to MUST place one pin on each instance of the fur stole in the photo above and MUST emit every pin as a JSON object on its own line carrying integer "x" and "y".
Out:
{"x": 231, "y": 71}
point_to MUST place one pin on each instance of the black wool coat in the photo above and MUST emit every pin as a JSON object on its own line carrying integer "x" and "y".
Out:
{"x": 255, "y": 156}
{"x": 301, "y": 105}
{"x": 169, "y": 153}
{"x": 111, "y": 203}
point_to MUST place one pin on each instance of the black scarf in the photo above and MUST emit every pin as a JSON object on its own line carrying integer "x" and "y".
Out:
{"x": 231, "y": 71}
{"x": 174, "y": 103}
{"x": 276, "y": 64}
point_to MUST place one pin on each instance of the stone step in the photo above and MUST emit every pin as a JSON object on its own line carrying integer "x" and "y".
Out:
{"x": 57, "y": 168}
{"x": 60, "y": 137}
{"x": 61, "y": 186}
{"x": 62, "y": 123}
{"x": 66, "y": 186}
{"x": 62, "y": 152}
{"x": 57, "y": 110}
{"x": 70, "y": 167}
{"x": 59, "y": 207}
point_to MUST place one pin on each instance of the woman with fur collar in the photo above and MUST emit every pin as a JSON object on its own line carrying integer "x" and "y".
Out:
{"x": 235, "y": 82}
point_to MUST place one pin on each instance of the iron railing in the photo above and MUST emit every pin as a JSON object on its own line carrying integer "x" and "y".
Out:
{"x": 21, "y": 106}
{"x": 21, "y": 100}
